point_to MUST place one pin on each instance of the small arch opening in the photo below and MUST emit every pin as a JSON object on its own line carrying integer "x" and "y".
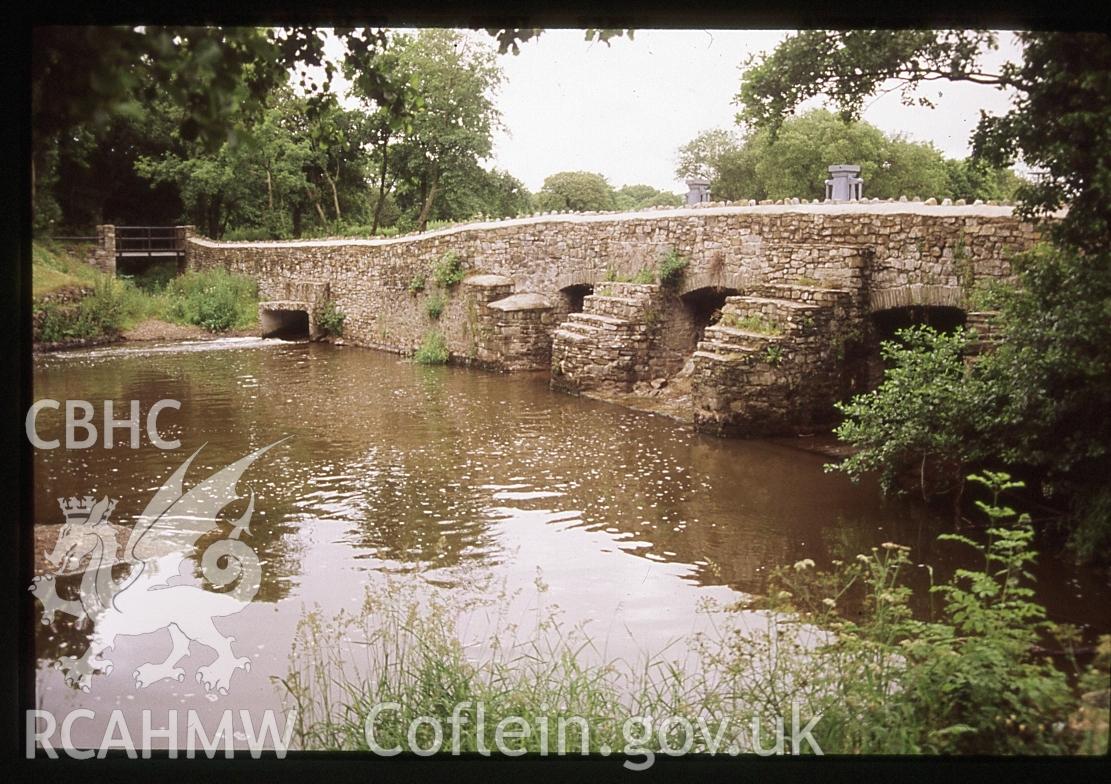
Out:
{"x": 943, "y": 318}
{"x": 148, "y": 274}
{"x": 573, "y": 296}
{"x": 703, "y": 307}
{"x": 285, "y": 324}
{"x": 885, "y": 323}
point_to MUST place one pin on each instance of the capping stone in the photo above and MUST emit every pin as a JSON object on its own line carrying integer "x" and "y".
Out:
{"x": 488, "y": 280}
{"x": 523, "y": 301}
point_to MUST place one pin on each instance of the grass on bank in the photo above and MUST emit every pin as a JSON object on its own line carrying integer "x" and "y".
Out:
{"x": 213, "y": 299}
{"x": 842, "y": 645}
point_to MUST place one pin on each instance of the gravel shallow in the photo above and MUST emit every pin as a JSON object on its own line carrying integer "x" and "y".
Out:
{"x": 155, "y": 329}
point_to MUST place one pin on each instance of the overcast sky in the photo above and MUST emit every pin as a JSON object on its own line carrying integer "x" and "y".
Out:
{"x": 623, "y": 110}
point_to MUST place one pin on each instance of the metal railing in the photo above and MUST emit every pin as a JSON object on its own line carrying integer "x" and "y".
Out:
{"x": 149, "y": 241}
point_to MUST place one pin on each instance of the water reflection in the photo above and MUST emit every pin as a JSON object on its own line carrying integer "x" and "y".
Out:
{"x": 394, "y": 467}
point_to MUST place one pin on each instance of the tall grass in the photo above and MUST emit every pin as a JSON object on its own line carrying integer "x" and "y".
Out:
{"x": 214, "y": 299}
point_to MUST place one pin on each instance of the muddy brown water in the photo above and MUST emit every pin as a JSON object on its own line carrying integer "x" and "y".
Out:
{"x": 394, "y": 469}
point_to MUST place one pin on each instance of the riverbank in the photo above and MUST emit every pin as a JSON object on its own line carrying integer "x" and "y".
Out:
{"x": 148, "y": 331}
{"x": 75, "y": 305}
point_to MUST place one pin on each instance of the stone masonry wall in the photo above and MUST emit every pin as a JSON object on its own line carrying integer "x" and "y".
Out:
{"x": 890, "y": 253}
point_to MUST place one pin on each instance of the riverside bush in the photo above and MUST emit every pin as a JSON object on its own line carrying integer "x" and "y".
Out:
{"x": 99, "y": 314}
{"x": 214, "y": 299}
{"x": 967, "y": 680}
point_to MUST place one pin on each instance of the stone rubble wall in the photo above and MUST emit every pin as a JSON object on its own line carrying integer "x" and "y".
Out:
{"x": 889, "y": 252}
{"x": 774, "y": 363}
{"x": 608, "y": 347}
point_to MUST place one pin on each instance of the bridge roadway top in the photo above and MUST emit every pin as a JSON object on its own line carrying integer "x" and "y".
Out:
{"x": 669, "y": 213}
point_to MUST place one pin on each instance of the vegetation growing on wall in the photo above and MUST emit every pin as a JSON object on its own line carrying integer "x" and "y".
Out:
{"x": 331, "y": 319}
{"x": 671, "y": 268}
{"x": 448, "y": 271}
{"x": 756, "y": 324}
{"x": 433, "y": 349}
{"x": 434, "y": 305}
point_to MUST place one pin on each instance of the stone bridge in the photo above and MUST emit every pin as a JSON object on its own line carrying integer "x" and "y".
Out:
{"x": 803, "y": 286}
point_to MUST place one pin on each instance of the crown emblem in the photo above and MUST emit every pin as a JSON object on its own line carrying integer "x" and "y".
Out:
{"x": 77, "y": 510}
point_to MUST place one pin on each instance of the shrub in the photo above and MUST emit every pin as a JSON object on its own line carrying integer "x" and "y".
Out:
{"x": 434, "y": 306}
{"x": 417, "y": 283}
{"x": 923, "y": 418}
{"x": 330, "y": 319}
{"x": 448, "y": 270}
{"x": 968, "y": 679}
{"x": 433, "y": 350}
{"x": 644, "y": 276}
{"x": 671, "y": 268}
{"x": 214, "y": 299}
{"x": 99, "y": 314}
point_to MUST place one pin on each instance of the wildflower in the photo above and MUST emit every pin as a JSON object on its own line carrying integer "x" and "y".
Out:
{"x": 828, "y": 602}
{"x": 805, "y": 563}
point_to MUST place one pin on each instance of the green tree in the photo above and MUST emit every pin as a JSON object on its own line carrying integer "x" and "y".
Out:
{"x": 971, "y": 179}
{"x": 575, "y": 190}
{"x": 794, "y": 161}
{"x": 1047, "y": 388}
{"x": 389, "y": 97}
{"x": 453, "y": 130}
{"x": 501, "y": 195}
{"x": 86, "y": 76}
{"x": 701, "y": 157}
{"x": 637, "y": 197}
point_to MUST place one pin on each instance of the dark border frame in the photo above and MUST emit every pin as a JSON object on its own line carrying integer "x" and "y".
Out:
{"x": 17, "y": 682}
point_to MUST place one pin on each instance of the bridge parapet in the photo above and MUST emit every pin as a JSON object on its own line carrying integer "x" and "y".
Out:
{"x": 887, "y": 254}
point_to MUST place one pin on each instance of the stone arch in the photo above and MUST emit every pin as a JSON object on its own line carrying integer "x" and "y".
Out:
{"x": 286, "y": 320}
{"x": 581, "y": 277}
{"x": 700, "y": 304}
{"x": 572, "y": 288}
{"x": 942, "y": 307}
{"x": 916, "y": 295}
{"x": 719, "y": 279}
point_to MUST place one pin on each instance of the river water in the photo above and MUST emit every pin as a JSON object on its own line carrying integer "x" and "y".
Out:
{"x": 439, "y": 474}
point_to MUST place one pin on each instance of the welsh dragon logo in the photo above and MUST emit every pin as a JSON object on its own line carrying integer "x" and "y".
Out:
{"x": 150, "y": 596}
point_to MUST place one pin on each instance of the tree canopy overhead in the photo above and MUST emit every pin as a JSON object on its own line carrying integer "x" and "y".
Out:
{"x": 1039, "y": 400}
{"x": 794, "y": 160}
{"x": 1060, "y": 121}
